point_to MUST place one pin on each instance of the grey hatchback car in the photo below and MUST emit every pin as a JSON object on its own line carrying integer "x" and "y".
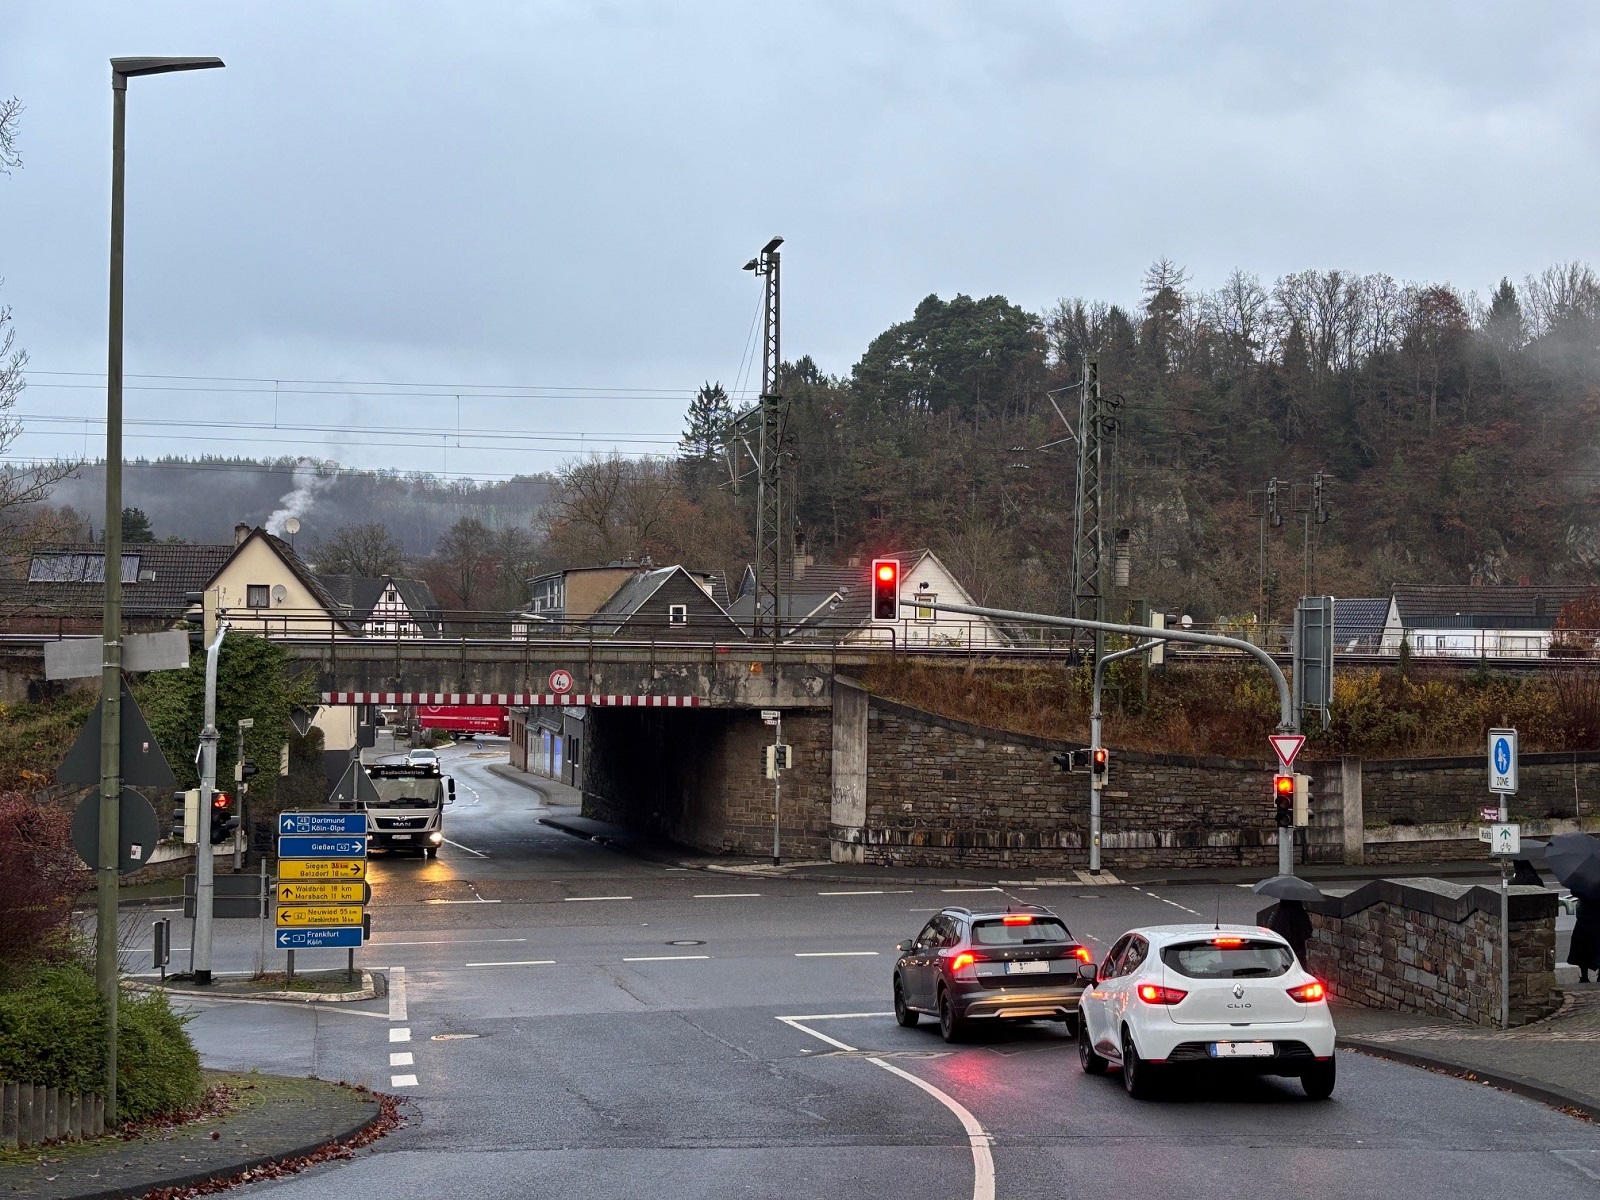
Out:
{"x": 968, "y": 965}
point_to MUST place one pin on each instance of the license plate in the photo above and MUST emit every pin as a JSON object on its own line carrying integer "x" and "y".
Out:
{"x": 1242, "y": 1050}
{"x": 1026, "y": 968}
{"x": 401, "y": 837}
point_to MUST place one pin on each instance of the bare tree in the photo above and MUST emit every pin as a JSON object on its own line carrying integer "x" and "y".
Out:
{"x": 466, "y": 562}
{"x": 370, "y": 551}
{"x": 10, "y": 118}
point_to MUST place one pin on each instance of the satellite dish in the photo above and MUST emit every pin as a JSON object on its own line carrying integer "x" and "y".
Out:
{"x": 292, "y": 526}
{"x": 279, "y": 593}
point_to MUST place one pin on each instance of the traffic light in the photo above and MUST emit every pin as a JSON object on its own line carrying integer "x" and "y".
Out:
{"x": 886, "y": 589}
{"x": 246, "y": 770}
{"x": 1302, "y": 799}
{"x": 1099, "y": 766}
{"x": 223, "y": 820}
{"x": 778, "y": 758}
{"x": 186, "y": 816}
{"x": 1072, "y": 761}
{"x": 1283, "y": 799}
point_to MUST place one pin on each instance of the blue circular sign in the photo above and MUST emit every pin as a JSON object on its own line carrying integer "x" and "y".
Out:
{"x": 1502, "y": 755}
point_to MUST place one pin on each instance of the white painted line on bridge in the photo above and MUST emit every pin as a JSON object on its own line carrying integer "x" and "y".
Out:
{"x": 526, "y": 962}
{"x": 400, "y": 1035}
{"x": 447, "y": 942}
{"x": 397, "y": 1001}
{"x": 402, "y": 1081}
{"x": 973, "y": 889}
{"x": 468, "y": 849}
{"x": 887, "y": 892}
{"x": 402, "y": 1058}
{"x": 836, "y": 954}
{"x": 726, "y": 895}
{"x": 597, "y": 897}
{"x": 668, "y": 958}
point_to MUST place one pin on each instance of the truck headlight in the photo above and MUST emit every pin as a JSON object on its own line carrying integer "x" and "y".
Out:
{"x": 436, "y": 838}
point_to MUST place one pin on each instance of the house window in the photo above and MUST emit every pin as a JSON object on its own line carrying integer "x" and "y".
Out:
{"x": 677, "y": 614}
{"x": 257, "y": 595}
{"x": 924, "y": 613}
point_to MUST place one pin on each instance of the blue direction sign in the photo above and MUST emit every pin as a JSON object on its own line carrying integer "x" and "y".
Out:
{"x": 312, "y": 846}
{"x": 317, "y": 939}
{"x": 1503, "y": 761}
{"x": 354, "y": 823}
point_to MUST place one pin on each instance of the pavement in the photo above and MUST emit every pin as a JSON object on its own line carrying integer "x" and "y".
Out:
{"x": 565, "y": 1019}
{"x": 273, "y": 1119}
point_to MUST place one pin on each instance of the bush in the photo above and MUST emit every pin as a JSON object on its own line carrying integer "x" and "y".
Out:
{"x": 52, "y": 1032}
{"x": 37, "y": 886}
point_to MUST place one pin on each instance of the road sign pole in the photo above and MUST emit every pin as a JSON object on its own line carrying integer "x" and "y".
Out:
{"x": 1505, "y": 942}
{"x": 777, "y": 784}
{"x": 204, "y": 866}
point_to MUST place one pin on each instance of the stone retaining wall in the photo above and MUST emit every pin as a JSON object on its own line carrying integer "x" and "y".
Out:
{"x": 1429, "y": 791}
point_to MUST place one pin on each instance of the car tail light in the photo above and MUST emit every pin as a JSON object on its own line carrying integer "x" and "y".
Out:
{"x": 1016, "y": 919}
{"x": 962, "y": 961}
{"x": 1309, "y": 993}
{"x": 1154, "y": 993}
{"x": 1227, "y": 941}
{"x": 1081, "y": 953}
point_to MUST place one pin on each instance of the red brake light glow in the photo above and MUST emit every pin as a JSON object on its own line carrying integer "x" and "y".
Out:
{"x": 1016, "y": 919}
{"x": 962, "y": 961}
{"x": 1227, "y": 941}
{"x": 1309, "y": 993}
{"x": 1152, "y": 993}
{"x": 1081, "y": 953}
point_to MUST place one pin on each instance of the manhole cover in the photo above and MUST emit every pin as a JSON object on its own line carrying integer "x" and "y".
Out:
{"x": 453, "y": 1037}
{"x": 686, "y": 942}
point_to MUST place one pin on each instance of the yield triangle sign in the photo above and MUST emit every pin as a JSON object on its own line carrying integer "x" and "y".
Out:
{"x": 1287, "y": 747}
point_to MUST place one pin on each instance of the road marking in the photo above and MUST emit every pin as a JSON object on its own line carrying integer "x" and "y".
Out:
{"x": 663, "y": 868}
{"x": 468, "y": 849}
{"x": 977, "y": 1136}
{"x": 668, "y": 958}
{"x": 447, "y": 942}
{"x": 726, "y": 895}
{"x": 402, "y": 1058}
{"x": 400, "y": 1035}
{"x": 397, "y": 1000}
{"x": 526, "y": 962}
{"x": 1567, "y": 1156}
{"x": 890, "y": 892}
{"x": 597, "y": 897}
{"x": 1174, "y": 903}
{"x": 402, "y": 1081}
{"x": 441, "y": 900}
{"x": 982, "y": 889}
{"x": 836, "y": 954}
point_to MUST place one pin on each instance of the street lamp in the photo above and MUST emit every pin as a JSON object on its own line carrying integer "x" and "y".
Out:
{"x": 122, "y": 69}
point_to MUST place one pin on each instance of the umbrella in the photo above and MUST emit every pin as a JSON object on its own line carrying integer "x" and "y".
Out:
{"x": 1288, "y": 887}
{"x": 1575, "y": 860}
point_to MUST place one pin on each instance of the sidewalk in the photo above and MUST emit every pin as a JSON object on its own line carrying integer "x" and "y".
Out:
{"x": 1552, "y": 1061}
{"x": 275, "y": 1120}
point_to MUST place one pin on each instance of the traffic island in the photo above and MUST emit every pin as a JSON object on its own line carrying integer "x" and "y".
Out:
{"x": 250, "y": 1127}
{"x": 325, "y": 987}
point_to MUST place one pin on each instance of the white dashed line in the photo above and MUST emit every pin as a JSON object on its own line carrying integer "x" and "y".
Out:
{"x": 397, "y": 1000}
{"x": 448, "y": 942}
{"x": 468, "y": 849}
{"x": 1174, "y": 903}
{"x": 726, "y": 895}
{"x": 597, "y": 897}
{"x": 400, "y": 1035}
{"x": 526, "y": 962}
{"x": 887, "y": 892}
{"x": 402, "y": 1058}
{"x": 402, "y": 1081}
{"x": 983, "y": 889}
{"x": 668, "y": 958}
{"x": 836, "y": 954}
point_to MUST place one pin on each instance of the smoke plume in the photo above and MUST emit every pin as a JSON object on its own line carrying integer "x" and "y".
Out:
{"x": 294, "y": 503}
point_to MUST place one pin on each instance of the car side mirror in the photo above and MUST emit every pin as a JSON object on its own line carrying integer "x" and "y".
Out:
{"x": 907, "y": 946}
{"x": 1088, "y": 972}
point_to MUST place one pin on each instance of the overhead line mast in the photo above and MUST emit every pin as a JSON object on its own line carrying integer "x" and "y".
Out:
{"x": 767, "y": 611}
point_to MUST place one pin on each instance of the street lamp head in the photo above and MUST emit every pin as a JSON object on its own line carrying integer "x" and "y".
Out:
{"x": 751, "y": 265}
{"x": 772, "y": 246}
{"x": 122, "y": 68}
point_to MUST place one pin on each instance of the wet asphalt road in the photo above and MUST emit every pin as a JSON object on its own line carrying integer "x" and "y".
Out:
{"x": 573, "y": 1022}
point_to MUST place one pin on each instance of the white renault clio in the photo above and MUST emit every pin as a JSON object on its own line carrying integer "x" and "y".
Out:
{"x": 1173, "y": 997}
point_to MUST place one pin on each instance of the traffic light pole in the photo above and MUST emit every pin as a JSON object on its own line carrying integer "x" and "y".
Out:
{"x": 777, "y": 788}
{"x": 1096, "y": 781}
{"x": 204, "y": 866}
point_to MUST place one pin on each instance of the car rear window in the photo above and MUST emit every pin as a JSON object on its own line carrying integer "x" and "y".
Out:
{"x": 1039, "y": 930}
{"x": 1208, "y": 960}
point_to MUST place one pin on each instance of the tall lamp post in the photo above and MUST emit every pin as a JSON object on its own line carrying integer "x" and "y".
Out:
{"x": 122, "y": 69}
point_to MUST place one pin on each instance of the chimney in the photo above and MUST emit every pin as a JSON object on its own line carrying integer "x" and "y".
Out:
{"x": 853, "y": 561}
{"x": 240, "y": 532}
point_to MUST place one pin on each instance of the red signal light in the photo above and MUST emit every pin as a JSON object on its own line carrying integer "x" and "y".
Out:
{"x": 886, "y": 589}
{"x": 1309, "y": 993}
{"x": 1283, "y": 787}
{"x": 886, "y": 572}
{"x": 1153, "y": 993}
{"x": 220, "y": 800}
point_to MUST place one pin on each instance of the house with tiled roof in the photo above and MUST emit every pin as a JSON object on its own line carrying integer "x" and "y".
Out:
{"x": 1480, "y": 620}
{"x": 265, "y": 587}
{"x": 665, "y": 602}
{"x": 386, "y": 607}
{"x": 64, "y": 587}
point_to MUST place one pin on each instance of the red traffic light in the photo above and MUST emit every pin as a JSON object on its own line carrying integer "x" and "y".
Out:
{"x": 1283, "y": 789}
{"x": 221, "y": 800}
{"x": 1100, "y": 759}
{"x": 886, "y": 589}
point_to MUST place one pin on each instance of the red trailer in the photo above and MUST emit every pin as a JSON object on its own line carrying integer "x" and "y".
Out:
{"x": 464, "y": 720}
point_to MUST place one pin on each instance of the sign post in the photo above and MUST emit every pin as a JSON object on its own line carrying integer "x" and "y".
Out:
{"x": 322, "y": 894}
{"x": 1287, "y": 748}
{"x": 1505, "y": 842}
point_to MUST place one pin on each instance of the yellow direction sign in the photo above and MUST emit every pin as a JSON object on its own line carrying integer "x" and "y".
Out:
{"x": 320, "y": 914}
{"x": 322, "y": 868}
{"x": 322, "y": 893}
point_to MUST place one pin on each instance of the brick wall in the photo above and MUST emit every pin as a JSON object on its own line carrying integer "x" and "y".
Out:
{"x": 1426, "y": 946}
{"x": 1427, "y": 791}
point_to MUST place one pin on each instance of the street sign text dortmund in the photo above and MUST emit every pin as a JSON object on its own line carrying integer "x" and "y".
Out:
{"x": 319, "y": 914}
{"x": 314, "y": 846}
{"x": 322, "y": 893}
{"x": 338, "y": 868}
{"x": 326, "y": 823}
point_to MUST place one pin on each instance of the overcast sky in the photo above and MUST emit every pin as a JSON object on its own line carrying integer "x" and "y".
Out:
{"x": 560, "y": 195}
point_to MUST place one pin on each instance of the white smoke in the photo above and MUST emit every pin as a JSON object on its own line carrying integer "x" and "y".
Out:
{"x": 293, "y": 503}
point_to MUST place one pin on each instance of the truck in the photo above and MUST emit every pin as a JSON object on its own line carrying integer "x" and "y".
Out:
{"x": 409, "y": 811}
{"x": 464, "y": 720}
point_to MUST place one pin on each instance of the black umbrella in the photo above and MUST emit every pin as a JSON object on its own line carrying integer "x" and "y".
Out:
{"x": 1288, "y": 887}
{"x": 1575, "y": 860}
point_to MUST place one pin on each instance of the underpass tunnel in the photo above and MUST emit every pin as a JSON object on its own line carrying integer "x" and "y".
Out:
{"x": 697, "y": 777}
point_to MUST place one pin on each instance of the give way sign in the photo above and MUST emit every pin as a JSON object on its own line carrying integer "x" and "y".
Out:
{"x": 1287, "y": 747}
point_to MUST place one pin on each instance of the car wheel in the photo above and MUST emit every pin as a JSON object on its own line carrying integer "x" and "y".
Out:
{"x": 1091, "y": 1062}
{"x": 1072, "y": 1025}
{"x": 951, "y": 1025}
{"x": 1138, "y": 1076}
{"x": 907, "y": 1017}
{"x": 1318, "y": 1081}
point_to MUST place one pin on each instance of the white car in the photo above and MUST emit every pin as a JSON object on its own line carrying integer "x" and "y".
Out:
{"x": 1206, "y": 997}
{"x": 422, "y": 757}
